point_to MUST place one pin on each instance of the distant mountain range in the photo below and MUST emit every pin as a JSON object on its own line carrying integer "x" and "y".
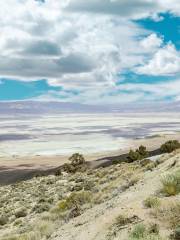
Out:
{"x": 42, "y": 107}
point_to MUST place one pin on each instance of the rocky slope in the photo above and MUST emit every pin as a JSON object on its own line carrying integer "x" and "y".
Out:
{"x": 122, "y": 201}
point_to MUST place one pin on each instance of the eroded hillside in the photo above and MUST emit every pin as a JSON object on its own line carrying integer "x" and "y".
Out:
{"x": 138, "y": 200}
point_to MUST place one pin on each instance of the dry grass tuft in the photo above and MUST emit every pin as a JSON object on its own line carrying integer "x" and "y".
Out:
{"x": 171, "y": 183}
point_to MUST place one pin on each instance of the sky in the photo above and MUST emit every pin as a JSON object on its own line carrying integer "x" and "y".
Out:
{"x": 94, "y": 52}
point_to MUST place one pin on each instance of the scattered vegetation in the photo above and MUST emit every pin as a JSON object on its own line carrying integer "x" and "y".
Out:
{"x": 151, "y": 166}
{"x": 142, "y": 232}
{"x": 152, "y": 202}
{"x": 77, "y": 164}
{"x": 22, "y": 212}
{"x": 34, "y": 209}
{"x": 171, "y": 183}
{"x": 75, "y": 199}
{"x": 77, "y": 159}
{"x": 176, "y": 233}
{"x": 138, "y": 232}
{"x": 138, "y": 154}
{"x": 3, "y": 220}
{"x": 169, "y": 214}
{"x": 170, "y": 146}
{"x": 122, "y": 220}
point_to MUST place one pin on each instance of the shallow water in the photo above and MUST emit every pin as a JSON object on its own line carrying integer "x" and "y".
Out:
{"x": 86, "y": 133}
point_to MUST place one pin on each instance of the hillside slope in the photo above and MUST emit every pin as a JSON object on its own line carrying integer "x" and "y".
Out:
{"x": 97, "y": 222}
{"x": 102, "y": 204}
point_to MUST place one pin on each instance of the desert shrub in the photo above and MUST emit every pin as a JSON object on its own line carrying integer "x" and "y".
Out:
{"x": 153, "y": 228}
{"x": 152, "y": 202}
{"x": 63, "y": 205}
{"x": 17, "y": 222}
{"x": 121, "y": 220}
{"x": 22, "y": 212}
{"x": 124, "y": 220}
{"x": 138, "y": 154}
{"x": 138, "y": 232}
{"x": 77, "y": 159}
{"x": 58, "y": 172}
{"x": 170, "y": 146}
{"x": 79, "y": 198}
{"x": 75, "y": 212}
{"x": 145, "y": 162}
{"x": 170, "y": 214}
{"x": 45, "y": 228}
{"x": 75, "y": 199}
{"x": 142, "y": 232}
{"x": 142, "y": 151}
{"x": 33, "y": 235}
{"x": 3, "y": 220}
{"x": 176, "y": 233}
{"x": 171, "y": 183}
{"x": 151, "y": 166}
{"x": 69, "y": 168}
{"x": 88, "y": 185}
{"x": 134, "y": 180}
{"x": 133, "y": 156}
{"x": 42, "y": 200}
{"x": 41, "y": 207}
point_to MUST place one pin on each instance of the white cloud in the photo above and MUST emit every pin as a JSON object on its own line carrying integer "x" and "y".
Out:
{"x": 40, "y": 41}
{"x": 127, "y": 9}
{"x": 131, "y": 9}
{"x": 151, "y": 42}
{"x": 63, "y": 42}
{"x": 166, "y": 61}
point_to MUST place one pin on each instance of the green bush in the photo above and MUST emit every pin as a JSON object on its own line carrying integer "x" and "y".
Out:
{"x": 171, "y": 183}
{"x": 41, "y": 207}
{"x": 75, "y": 199}
{"x": 77, "y": 164}
{"x": 58, "y": 172}
{"x": 142, "y": 232}
{"x": 22, "y": 212}
{"x": 142, "y": 151}
{"x": 169, "y": 214}
{"x": 138, "y": 232}
{"x": 138, "y": 154}
{"x": 170, "y": 146}
{"x": 133, "y": 156}
{"x": 152, "y": 202}
{"x": 176, "y": 234}
{"x": 151, "y": 166}
{"x": 69, "y": 168}
{"x": 77, "y": 159}
{"x": 3, "y": 220}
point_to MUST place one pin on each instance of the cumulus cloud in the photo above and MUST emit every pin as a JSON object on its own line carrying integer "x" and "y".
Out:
{"x": 166, "y": 61}
{"x": 151, "y": 42}
{"x": 41, "y": 48}
{"x": 75, "y": 63}
{"x": 84, "y": 45}
{"x": 131, "y": 9}
{"x": 128, "y": 9}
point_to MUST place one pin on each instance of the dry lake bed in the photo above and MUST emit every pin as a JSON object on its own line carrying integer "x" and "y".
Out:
{"x": 64, "y": 134}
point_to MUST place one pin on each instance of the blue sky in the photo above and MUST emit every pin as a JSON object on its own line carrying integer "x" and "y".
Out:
{"x": 168, "y": 28}
{"x": 95, "y": 52}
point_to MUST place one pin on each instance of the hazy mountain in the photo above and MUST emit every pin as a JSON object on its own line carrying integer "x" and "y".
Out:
{"x": 38, "y": 107}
